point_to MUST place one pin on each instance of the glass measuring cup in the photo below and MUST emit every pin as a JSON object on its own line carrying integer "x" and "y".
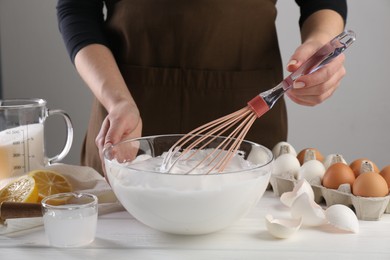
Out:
{"x": 22, "y": 145}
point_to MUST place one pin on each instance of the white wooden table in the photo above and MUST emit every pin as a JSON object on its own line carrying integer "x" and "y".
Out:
{"x": 120, "y": 236}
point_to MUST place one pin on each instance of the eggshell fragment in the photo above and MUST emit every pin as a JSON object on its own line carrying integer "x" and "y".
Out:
{"x": 282, "y": 228}
{"x": 342, "y": 217}
{"x": 302, "y": 186}
{"x": 311, "y": 213}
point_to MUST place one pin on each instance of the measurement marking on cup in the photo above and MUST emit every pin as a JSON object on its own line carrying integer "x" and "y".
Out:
{"x": 26, "y": 165}
{"x": 22, "y": 141}
{"x": 27, "y": 146}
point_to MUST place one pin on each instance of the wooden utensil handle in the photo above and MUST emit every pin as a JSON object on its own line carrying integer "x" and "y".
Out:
{"x": 20, "y": 210}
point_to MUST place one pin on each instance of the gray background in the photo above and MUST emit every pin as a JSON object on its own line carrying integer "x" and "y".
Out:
{"x": 354, "y": 122}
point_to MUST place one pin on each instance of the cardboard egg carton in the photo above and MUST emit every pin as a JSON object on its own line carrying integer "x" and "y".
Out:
{"x": 365, "y": 208}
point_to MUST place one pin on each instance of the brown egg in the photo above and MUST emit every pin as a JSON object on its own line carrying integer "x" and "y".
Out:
{"x": 337, "y": 174}
{"x": 370, "y": 184}
{"x": 301, "y": 155}
{"x": 356, "y": 165}
{"x": 385, "y": 173}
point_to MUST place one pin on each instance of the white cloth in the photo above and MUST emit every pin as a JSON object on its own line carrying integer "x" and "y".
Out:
{"x": 82, "y": 179}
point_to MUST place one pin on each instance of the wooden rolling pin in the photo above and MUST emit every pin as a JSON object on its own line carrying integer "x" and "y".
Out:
{"x": 20, "y": 210}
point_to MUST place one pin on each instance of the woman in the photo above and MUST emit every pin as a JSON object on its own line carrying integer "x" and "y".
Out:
{"x": 168, "y": 66}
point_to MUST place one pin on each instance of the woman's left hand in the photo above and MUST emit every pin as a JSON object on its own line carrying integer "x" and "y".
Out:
{"x": 313, "y": 89}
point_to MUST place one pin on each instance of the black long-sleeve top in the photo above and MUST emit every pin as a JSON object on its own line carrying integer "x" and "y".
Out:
{"x": 81, "y": 21}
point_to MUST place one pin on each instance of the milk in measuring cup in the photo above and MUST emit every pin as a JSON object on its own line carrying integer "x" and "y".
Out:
{"x": 21, "y": 150}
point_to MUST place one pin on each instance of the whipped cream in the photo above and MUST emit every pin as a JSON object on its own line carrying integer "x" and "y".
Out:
{"x": 191, "y": 163}
{"x": 194, "y": 203}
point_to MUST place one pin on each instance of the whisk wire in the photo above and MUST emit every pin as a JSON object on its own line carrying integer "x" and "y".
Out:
{"x": 225, "y": 125}
{"x": 200, "y": 130}
{"x": 219, "y": 127}
{"x": 237, "y": 142}
{"x": 232, "y": 137}
{"x": 244, "y": 118}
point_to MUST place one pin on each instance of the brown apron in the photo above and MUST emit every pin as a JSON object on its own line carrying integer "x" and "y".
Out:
{"x": 187, "y": 62}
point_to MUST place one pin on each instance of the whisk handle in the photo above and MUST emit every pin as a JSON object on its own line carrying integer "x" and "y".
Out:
{"x": 324, "y": 55}
{"x": 319, "y": 59}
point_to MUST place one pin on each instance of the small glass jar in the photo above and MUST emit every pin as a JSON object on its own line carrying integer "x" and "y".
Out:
{"x": 70, "y": 219}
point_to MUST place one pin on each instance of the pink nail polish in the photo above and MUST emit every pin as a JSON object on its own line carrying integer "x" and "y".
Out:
{"x": 292, "y": 62}
{"x": 299, "y": 84}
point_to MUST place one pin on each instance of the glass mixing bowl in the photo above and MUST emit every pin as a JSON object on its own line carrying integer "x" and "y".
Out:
{"x": 185, "y": 203}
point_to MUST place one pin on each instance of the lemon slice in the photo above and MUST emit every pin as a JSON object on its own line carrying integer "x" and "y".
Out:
{"x": 22, "y": 189}
{"x": 49, "y": 183}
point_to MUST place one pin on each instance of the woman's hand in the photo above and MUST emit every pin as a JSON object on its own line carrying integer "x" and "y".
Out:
{"x": 122, "y": 122}
{"x": 313, "y": 89}
{"x": 98, "y": 68}
{"x": 318, "y": 29}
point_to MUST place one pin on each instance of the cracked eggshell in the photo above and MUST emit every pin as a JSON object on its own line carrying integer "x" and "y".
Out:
{"x": 306, "y": 208}
{"x": 282, "y": 228}
{"x": 342, "y": 217}
{"x": 301, "y": 187}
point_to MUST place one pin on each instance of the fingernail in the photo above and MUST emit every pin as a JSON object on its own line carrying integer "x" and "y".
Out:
{"x": 292, "y": 62}
{"x": 299, "y": 84}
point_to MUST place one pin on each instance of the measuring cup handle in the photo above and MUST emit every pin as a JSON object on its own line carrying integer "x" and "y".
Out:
{"x": 69, "y": 138}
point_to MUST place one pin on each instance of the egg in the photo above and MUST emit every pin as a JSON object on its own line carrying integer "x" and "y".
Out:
{"x": 385, "y": 173}
{"x": 338, "y": 174}
{"x": 370, "y": 184}
{"x": 356, "y": 165}
{"x": 286, "y": 165}
{"x": 313, "y": 171}
{"x": 258, "y": 155}
{"x": 333, "y": 158}
{"x": 302, "y": 153}
{"x": 277, "y": 149}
